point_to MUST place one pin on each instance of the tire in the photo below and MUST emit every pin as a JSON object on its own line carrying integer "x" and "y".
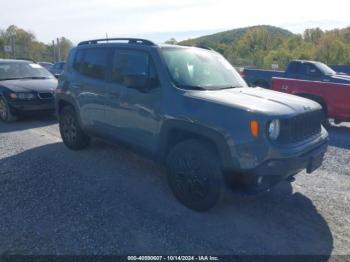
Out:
{"x": 325, "y": 120}
{"x": 194, "y": 175}
{"x": 5, "y": 113}
{"x": 72, "y": 134}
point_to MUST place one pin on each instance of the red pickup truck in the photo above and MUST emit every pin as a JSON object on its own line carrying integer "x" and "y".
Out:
{"x": 333, "y": 97}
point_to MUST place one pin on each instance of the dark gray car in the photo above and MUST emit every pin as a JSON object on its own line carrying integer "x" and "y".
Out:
{"x": 25, "y": 88}
{"x": 188, "y": 108}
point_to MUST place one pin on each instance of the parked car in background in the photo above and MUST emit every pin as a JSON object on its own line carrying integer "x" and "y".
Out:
{"x": 297, "y": 69}
{"x": 57, "y": 68}
{"x": 333, "y": 97}
{"x": 46, "y": 65}
{"x": 189, "y": 108}
{"x": 25, "y": 88}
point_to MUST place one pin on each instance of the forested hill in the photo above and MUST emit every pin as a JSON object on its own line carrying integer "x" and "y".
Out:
{"x": 233, "y": 36}
{"x": 264, "y": 45}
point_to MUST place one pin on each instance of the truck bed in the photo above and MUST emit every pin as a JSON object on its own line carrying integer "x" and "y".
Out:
{"x": 334, "y": 96}
{"x": 262, "y": 78}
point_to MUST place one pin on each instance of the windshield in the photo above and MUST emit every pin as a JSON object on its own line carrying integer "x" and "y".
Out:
{"x": 22, "y": 70}
{"x": 325, "y": 69}
{"x": 200, "y": 69}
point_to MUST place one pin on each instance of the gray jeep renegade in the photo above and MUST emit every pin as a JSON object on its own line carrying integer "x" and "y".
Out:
{"x": 188, "y": 108}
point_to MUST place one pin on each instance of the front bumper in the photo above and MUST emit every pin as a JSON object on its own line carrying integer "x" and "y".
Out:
{"x": 31, "y": 106}
{"x": 274, "y": 171}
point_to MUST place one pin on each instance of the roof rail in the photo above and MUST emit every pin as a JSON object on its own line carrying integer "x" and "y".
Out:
{"x": 128, "y": 40}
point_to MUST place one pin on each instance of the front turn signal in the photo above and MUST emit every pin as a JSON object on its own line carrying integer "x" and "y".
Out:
{"x": 254, "y": 128}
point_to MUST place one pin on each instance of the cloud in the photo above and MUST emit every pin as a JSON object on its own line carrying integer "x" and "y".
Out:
{"x": 79, "y": 20}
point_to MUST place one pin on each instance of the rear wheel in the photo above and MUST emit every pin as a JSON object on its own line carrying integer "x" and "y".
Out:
{"x": 71, "y": 132}
{"x": 325, "y": 120}
{"x": 194, "y": 175}
{"x": 5, "y": 113}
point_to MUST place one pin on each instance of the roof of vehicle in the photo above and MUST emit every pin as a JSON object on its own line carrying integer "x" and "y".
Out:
{"x": 16, "y": 60}
{"x": 116, "y": 40}
{"x": 134, "y": 42}
{"x": 304, "y": 61}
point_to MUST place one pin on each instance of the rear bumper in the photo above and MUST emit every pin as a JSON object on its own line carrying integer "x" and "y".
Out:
{"x": 274, "y": 171}
{"x": 32, "y": 106}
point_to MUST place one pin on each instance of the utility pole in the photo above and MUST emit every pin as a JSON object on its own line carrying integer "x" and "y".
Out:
{"x": 58, "y": 50}
{"x": 53, "y": 51}
{"x": 13, "y": 44}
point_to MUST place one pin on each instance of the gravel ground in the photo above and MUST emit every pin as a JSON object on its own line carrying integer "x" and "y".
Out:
{"x": 109, "y": 200}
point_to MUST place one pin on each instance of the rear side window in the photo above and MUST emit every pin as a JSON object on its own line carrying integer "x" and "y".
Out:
{"x": 130, "y": 66}
{"x": 293, "y": 68}
{"x": 92, "y": 62}
{"x": 309, "y": 69}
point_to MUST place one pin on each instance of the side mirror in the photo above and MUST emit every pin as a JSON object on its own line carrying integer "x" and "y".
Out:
{"x": 57, "y": 75}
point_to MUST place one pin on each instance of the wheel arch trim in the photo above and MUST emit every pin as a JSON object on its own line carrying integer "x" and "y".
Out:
{"x": 194, "y": 130}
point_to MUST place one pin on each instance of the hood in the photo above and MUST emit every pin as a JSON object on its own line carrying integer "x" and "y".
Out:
{"x": 30, "y": 85}
{"x": 341, "y": 78}
{"x": 258, "y": 100}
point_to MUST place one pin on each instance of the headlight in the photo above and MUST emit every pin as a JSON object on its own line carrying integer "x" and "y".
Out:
{"x": 274, "y": 129}
{"x": 22, "y": 96}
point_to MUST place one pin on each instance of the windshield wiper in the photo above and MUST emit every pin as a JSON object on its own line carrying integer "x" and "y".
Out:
{"x": 192, "y": 87}
{"x": 35, "y": 77}
{"x": 226, "y": 87}
{"x": 210, "y": 88}
{"x": 29, "y": 77}
{"x": 10, "y": 78}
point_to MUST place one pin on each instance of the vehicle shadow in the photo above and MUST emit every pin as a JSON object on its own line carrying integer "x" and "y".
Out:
{"x": 339, "y": 136}
{"x": 108, "y": 200}
{"x": 28, "y": 122}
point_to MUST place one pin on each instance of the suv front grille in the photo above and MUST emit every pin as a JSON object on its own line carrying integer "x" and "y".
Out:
{"x": 301, "y": 127}
{"x": 46, "y": 95}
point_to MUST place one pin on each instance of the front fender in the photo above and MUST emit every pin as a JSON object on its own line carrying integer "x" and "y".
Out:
{"x": 218, "y": 138}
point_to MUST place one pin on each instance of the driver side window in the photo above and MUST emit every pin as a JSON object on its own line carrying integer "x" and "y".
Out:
{"x": 310, "y": 70}
{"x": 132, "y": 68}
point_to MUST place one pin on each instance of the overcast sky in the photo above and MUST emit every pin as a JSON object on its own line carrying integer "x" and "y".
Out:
{"x": 159, "y": 20}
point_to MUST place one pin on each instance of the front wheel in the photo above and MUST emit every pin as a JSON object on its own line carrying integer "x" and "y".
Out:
{"x": 5, "y": 113}
{"x": 194, "y": 175}
{"x": 72, "y": 134}
{"x": 325, "y": 120}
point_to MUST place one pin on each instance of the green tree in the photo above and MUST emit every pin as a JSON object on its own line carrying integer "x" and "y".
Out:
{"x": 313, "y": 35}
{"x": 171, "y": 41}
{"x": 27, "y": 46}
{"x": 65, "y": 45}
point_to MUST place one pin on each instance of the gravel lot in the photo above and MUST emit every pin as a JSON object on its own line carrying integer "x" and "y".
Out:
{"x": 109, "y": 200}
